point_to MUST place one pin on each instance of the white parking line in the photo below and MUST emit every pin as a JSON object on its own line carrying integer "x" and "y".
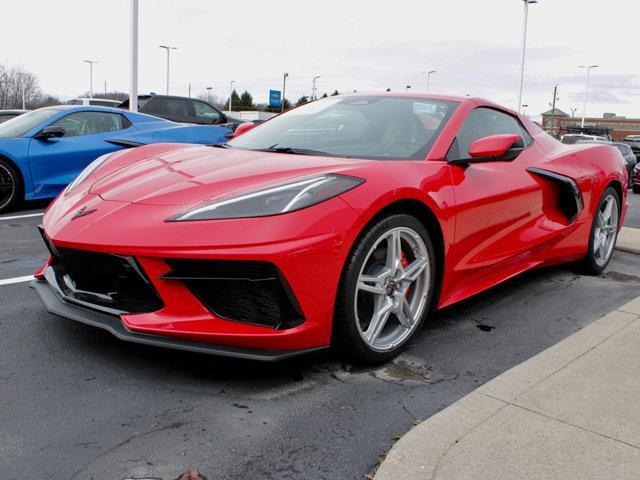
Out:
{"x": 15, "y": 217}
{"x": 9, "y": 281}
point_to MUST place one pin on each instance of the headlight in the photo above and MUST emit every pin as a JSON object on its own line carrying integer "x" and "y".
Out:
{"x": 275, "y": 200}
{"x": 87, "y": 171}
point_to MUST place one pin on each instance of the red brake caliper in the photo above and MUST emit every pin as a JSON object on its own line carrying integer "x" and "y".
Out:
{"x": 404, "y": 262}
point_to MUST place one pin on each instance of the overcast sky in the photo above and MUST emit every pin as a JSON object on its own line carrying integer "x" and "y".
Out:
{"x": 364, "y": 45}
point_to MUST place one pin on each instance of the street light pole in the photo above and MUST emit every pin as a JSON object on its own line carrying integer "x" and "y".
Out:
{"x": 429, "y": 78}
{"x": 586, "y": 91}
{"x": 406, "y": 89}
{"x": 524, "y": 47}
{"x": 133, "y": 66}
{"x": 209, "y": 94}
{"x": 90, "y": 62}
{"x": 313, "y": 89}
{"x": 168, "y": 49}
{"x": 230, "y": 93}
{"x": 284, "y": 87}
{"x": 524, "y": 109}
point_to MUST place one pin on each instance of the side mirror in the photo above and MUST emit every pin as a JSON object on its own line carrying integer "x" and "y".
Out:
{"x": 243, "y": 128}
{"x": 50, "y": 132}
{"x": 505, "y": 147}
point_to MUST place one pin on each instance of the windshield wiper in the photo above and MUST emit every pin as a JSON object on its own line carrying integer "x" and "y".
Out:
{"x": 294, "y": 151}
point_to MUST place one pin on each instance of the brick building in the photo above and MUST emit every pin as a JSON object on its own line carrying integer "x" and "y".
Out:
{"x": 556, "y": 122}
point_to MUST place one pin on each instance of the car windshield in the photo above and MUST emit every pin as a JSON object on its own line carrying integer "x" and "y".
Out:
{"x": 370, "y": 127}
{"x": 16, "y": 127}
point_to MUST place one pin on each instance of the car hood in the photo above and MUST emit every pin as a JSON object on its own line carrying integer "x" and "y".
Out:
{"x": 189, "y": 175}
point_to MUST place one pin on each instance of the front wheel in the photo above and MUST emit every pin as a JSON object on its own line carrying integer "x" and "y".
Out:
{"x": 604, "y": 232}
{"x": 10, "y": 187}
{"x": 386, "y": 289}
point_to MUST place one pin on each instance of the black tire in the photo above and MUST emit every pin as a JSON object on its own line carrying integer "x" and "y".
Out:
{"x": 9, "y": 200}
{"x": 591, "y": 266}
{"x": 346, "y": 335}
{"x": 635, "y": 188}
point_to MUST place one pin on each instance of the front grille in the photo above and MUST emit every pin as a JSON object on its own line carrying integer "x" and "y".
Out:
{"x": 252, "y": 292}
{"x": 112, "y": 283}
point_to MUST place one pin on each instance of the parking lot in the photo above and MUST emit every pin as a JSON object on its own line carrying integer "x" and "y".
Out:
{"x": 77, "y": 403}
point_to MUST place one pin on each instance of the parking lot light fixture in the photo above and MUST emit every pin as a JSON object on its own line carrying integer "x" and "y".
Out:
{"x": 209, "y": 94}
{"x": 314, "y": 87}
{"x": 586, "y": 91}
{"x": 168, "y": 49}
{"x": 230, "y": 93}
{"x": 406, "y": 89}
{"x": 524, "y": 109}
{"x": 429, "y": 73}
{"x": 90, "y": 62}
{"x": 524, "y": 47}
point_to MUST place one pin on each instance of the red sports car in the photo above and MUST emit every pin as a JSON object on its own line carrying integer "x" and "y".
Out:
{"x": 345, "y": 221}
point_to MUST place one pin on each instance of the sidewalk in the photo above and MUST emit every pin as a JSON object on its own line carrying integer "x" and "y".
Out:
{"x": 570, "y": 412}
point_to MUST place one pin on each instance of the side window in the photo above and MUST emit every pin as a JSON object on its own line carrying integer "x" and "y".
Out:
{"x": 170, "y": 106}
{"x": 204, "y": 110}
{"x": 88, "y": 123}
{"x": 483, "y": 122}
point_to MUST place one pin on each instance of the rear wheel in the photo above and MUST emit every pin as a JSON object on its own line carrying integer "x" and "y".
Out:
{"x": 636, "y": 188}
{"x": 604, "y": 232}
{"x": 10, "y": 187}
{"x": 386, "y": 289}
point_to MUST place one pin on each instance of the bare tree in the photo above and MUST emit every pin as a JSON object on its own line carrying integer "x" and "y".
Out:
{"x": 18, "y": 87}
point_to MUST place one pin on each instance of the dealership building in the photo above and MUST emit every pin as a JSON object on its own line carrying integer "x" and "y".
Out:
{"x": 555, "y": 122}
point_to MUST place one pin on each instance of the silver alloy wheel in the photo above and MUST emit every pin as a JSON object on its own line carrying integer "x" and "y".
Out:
{"x": 393, "y": 283}
{"x": 7, "y": 187}
{"x": 606, "y": 230}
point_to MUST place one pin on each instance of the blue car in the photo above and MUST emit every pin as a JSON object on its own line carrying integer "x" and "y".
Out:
{"x": 44, "y": 150}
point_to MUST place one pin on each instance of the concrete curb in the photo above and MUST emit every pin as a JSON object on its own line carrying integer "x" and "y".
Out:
{"x": 629, "y": 240}
{"x": 494, "y": 417}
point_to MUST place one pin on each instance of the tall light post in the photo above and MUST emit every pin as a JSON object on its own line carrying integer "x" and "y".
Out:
{"x": 428, "y": 73}
{"x": 586, "y": 91}
{"x": 209, "y": 94}
{"x": 313, "y": 88}
{"x": 90, "y": 62}
{"x": 573, "y": 112}
{"x": 284, "y": 87}
{"x": 230, "y": 93}
{"x": 406, "y": 89}
{"x": 524, "y": 47}
{"x": 168, "y": 49}
{"x": 524, "y": 109}
{"x": 133, "y": 65}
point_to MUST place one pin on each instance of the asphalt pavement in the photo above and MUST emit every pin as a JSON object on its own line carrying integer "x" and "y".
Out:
{"x": 75, "y": 403}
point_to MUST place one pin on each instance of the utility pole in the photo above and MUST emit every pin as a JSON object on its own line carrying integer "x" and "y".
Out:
{"x": 133, "y": 66}
{"x": 284, "y": 87}
{"x": 230, "y": 93}
{"x": 90, "y": 62}
{"x": 168, "y": 49}
{"x": 524, "y": 47}
{"x": 586, "y": 91}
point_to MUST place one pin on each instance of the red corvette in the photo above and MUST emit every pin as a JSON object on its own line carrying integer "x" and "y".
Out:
{"x": 344, "y": 221}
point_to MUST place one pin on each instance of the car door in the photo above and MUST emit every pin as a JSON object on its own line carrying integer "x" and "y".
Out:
{"x": 498, "y": 203}
{"x": 57, "y": 161}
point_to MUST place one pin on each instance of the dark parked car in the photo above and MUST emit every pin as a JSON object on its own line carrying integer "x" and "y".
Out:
{"x": 635, "y": 179}
{"x": 9, "y": 114}
{"x": 183, "y": 110}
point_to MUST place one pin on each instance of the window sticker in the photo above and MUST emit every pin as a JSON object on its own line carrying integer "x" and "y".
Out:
{"x": 425, "y": 108}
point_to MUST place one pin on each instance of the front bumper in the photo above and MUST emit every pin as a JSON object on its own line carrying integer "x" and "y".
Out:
{"x": 113, "y": 324}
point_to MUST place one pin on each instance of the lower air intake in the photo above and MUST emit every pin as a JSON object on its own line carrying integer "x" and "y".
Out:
{"x": 252, "y": 292}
